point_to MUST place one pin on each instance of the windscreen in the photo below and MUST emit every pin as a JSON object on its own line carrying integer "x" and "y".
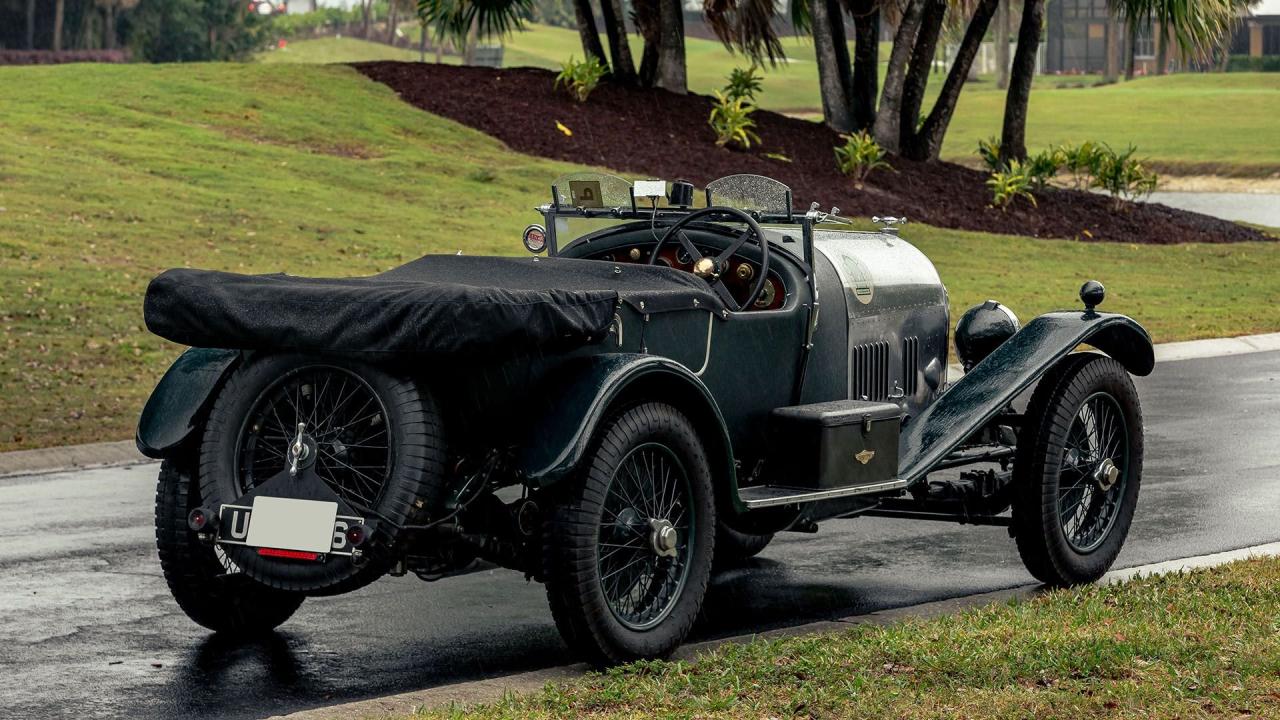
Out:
{"x": 592, "y": 190}
{"x": 750, "y": 192}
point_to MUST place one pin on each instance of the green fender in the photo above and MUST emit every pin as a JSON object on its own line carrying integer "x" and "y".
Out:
{"x": 180, "y": 401}
{"x": 588, "y": 388}
{"x": 1017, "y": 363}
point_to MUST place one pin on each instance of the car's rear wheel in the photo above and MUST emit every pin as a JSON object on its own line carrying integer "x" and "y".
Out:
{"x": 1078, "y": 470}
{"x": 206, "y": 584}
{"x": 734, "y": 547}
{"x": 378, "y": 447}
{"x": 627, "y": 550}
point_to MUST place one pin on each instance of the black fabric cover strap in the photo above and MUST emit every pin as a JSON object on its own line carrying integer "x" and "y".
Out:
{"x": 438, "y": 304}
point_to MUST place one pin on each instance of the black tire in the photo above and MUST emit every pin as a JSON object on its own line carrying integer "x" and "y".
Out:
{"x": 1069, "y": 521}
{"x": 656, "y": 624}
{"x": 223, "y": 601}
{"x": 410, "y": 488}
{"x": 734, "y": 547}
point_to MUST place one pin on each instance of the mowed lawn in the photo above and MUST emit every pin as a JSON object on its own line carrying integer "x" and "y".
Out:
{"x": 1199, "y": 645}
{"x": 1201, "y": 123}
{"x": 110, "y": 174}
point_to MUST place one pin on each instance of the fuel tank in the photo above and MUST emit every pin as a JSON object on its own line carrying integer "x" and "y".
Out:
{"x": 896, "y": 313}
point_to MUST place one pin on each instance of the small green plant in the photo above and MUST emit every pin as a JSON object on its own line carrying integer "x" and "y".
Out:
{"x": 744, "y": 84}
{"x": 1081, "y": 161}
{"x": 580, "y": 78}
{"x": 1123, "y": 177}
{"x": 989, "y": 151}
{"x": 1043, "y": 167}
{"x": 731, "y": 120}
{"x": 1009, "y": 184}
{"x": 859, "y": 155}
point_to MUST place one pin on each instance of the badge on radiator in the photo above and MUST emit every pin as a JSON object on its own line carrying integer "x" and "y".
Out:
{"x": 865, "y": 456}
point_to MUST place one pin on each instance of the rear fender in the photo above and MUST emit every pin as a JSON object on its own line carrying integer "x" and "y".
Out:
{"x": 993, "y": 383}
{"x": 587, "y": 391}
{"x": 181, "y": 400}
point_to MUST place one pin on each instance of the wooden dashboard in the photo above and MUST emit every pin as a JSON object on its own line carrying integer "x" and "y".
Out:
{"x": 739, "y": 277}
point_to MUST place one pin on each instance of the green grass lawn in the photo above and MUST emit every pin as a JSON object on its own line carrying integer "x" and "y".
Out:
{"x": 336, "y": 50}
{"x": 1199, "y": 645}
{"x": 111, "y": 173}
{"x": 1212, "y": 123}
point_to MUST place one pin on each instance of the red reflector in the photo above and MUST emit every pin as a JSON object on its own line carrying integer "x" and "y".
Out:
{"x": 289, "y": 554}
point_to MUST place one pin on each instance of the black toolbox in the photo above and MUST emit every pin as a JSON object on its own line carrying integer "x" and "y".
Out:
{"x": 844, "y": 443}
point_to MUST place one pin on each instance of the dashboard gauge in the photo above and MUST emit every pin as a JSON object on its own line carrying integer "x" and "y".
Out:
{"x": 682, "y": 257}
{"x": 767, "y": 295}
{"x": 745, "y": 271}
{"x": 634, "y": 254}
{"x": 607, "y": 257}
{"x": 663, "y": 261}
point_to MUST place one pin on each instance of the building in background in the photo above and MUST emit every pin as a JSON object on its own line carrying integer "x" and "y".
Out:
{"x": 1259, "y": 35}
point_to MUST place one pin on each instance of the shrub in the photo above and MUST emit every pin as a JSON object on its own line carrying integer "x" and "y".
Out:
{"x": 1247, "y": 63}
{"x": 859, "y": 155}
{"x": 1043, "y": 167}
{"x": 989, "y": 151}
{"x": 743, "y": 84}
{"x": 731, "y": 120}
{"x": 1009, "y": 184}
{"x": 580, "y": 78}
{"x": 1081, "y": 161}
{"x": 1123, "y": 177}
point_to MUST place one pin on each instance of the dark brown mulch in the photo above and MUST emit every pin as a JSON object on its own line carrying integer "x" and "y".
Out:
{"x": 658, "y": 134}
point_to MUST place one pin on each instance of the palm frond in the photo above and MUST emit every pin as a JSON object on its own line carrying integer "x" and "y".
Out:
{"x": 746, "y": 26}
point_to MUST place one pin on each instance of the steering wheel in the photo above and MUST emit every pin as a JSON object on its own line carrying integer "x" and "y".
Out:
{"x": 711, "y": 268}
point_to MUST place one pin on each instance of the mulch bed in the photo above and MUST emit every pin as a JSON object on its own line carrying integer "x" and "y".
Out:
{"x": 654, "y": 133}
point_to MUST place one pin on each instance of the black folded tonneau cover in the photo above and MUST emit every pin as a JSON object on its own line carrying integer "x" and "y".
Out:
{"x": 439, "y": 304}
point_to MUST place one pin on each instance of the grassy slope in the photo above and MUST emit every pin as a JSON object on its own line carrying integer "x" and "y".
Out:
{"x": 109, "y": 174}
{"x": 335, "y": 50}
{"x": 1223, "y": 123}
{"x": 1205, "y": 644}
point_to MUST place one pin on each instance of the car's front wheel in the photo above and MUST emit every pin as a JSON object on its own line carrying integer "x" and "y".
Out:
{"x": 627, "y": 549}
{"x": 1077, "y": 471}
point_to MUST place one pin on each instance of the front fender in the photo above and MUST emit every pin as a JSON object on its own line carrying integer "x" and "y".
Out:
{"x": 1021, "y": 360}
{"x": 586, "y": 391}
{"x": 181, "y": 399}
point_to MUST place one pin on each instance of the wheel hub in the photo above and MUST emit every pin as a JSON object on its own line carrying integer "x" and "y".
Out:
{"x": 302, "y": 451}
{"x": 663, "y": 538}
{"x": 1106, "y": 474}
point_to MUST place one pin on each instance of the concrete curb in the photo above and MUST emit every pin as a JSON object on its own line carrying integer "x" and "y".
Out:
{"x": 494, "y": 689}
{"x": 106, "y": 454}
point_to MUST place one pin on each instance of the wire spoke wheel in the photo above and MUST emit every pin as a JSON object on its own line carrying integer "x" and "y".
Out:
{"x": 645, "y": 536}
{"x": 1094, "y": 471}
{"x": 344, "y": 417}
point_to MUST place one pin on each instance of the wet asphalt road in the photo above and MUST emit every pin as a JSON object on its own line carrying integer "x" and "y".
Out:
{"x": 87, "y": 627}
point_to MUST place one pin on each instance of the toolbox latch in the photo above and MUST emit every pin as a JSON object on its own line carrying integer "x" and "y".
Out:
{"x": 866, "y": 424}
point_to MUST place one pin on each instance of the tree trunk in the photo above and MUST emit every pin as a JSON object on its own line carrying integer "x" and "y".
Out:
{"x": 1162, "y": 49}
{"x": 31, "y": 24}
{"x": 392, "y": 17}
{"x": 109, "y": 27}
{"x": 473, "y": 39}
{"x": 422, "y": 44}
{"x": 587, "y": 31}
{"x": 1113, "y": 44}
{"x": 366, "y": 9}
{"x": 671, "y": 72}
{"x": 891, "y": 96}
{"x": 1013, "y": 136}
{"x": 615, "y": 28}
{"x": 831, "y": 50}
{"x": 59, "y": 9}
{"x": 927, "y": 143}
{"x": 866, "y": 62}
{"x": 1002, "y": 44}
{"x": 922, "y": 55}
{"x": 1131, "y": 49}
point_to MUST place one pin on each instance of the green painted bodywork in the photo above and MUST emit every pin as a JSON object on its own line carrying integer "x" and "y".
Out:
{"x": 179, "y": 404}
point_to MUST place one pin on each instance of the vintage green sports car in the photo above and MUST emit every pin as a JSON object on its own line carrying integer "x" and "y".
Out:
{"x": 657, "y": 391}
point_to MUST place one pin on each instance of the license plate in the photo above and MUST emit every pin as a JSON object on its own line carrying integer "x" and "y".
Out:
{"x": 302, "y": 529}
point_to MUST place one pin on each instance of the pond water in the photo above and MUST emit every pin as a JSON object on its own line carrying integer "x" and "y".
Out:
{"x": 1257, "y": 208}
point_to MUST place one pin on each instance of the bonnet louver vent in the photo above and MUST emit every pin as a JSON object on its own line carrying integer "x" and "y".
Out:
{"x": 910, "y": 364}
{"x": 869, "y": 366}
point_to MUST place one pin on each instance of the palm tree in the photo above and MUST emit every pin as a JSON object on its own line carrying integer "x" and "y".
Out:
{"x": 464, "y": 21}
{"x": 1013, "y": 133}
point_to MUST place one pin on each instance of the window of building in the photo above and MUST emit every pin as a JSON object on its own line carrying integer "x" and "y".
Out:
{"x": 1145, "y": 42}
{"x": 1271, "y": 39}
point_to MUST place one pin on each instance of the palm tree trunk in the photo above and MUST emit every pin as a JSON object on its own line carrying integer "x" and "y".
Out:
{"x": 31, "y": 24}
{"x": 831, "y": 50}
{"x": 866, "y": 62}
{"x": 671, "y": 71}
{"x": 615, "y": 28}
{"x": 1013, "y": 136}
{"x": 644, "y": 13}
{"x": 1162, "y": 49}
{"x": 1131, "y": 49}
{"x": 109, "y": 27}
{"x": 59, "y": 9}
{"x": 366, "y": 10}
{"x": 473, "y": 39}
{"x": 392, "y": 14}
{"x": 922, "y": 55}
{"x": 1002, "y": 44}
{"x": 588, "y": 32}
{"x": 1113, "y": 44}
{"x": 927, "y": 143}
{"x": 891, "y": 96}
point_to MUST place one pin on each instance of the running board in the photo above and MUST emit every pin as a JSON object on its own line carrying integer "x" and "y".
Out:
{"x": 762, "y": 496}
